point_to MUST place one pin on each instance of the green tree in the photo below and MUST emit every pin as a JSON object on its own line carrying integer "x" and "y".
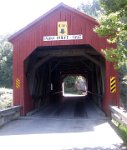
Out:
{"x": 113, "y": 26}
{"x": 5, "y": 62}
{"x": 70, "y": 80}
{"x": 92, "y": 9}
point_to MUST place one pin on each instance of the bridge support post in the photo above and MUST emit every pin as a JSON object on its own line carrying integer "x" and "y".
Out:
{"x": 110, "y": 98}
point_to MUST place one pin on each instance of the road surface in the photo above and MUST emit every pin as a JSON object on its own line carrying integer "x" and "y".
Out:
{"x": 67, "y": 127}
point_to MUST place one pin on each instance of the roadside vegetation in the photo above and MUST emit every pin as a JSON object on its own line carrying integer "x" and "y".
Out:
{"x": 5, "y": 73}
{"x": 121, "y": 130}
{"x": 6, "y": 51}
{"x": 74, "y": 84}
{"x": 5, "y": 98}
{"x": 113, "y": 24}
{"x": 112, "y": 17}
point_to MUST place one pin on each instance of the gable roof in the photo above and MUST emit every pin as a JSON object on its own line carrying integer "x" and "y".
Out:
{"x": 61, "y": 5}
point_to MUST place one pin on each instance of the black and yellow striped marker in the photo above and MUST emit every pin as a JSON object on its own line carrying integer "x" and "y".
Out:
{"x": 17, "y": 83}
{"x": 112, "y": 84}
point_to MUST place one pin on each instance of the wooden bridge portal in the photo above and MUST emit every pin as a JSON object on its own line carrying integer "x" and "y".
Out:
{"x": 60, "y": 43}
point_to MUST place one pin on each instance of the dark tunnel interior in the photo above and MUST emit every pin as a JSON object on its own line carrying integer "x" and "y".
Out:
{"x": 46, "y": 69}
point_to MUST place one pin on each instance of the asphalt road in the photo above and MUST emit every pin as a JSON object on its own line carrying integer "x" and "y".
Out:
{"x": 71, "y": 107}
{"x": 73, "y": 125}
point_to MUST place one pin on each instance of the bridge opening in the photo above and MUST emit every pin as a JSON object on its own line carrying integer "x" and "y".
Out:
{"x": 47, "y": 70}
{"x": 74, "y": 85}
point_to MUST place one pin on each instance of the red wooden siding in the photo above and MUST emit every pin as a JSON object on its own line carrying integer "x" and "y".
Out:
{"x": 26, "y": 40}
{"x": 32, "y": 37}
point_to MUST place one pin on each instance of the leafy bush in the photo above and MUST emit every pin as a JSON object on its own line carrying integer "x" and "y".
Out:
{"x": 121, "y": 130}
{"x": 5, "y": 98}
{"x": 123, "y": 84}
{"x": 5, "y": 63}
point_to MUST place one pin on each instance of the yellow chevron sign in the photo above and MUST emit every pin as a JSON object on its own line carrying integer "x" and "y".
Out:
{"x": 112, "y": 84}
{"x": 17, "y": 83}
{"x": 62, "y": 28}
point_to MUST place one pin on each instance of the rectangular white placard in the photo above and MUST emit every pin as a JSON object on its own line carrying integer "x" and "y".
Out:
{"x": 64, "y": 37}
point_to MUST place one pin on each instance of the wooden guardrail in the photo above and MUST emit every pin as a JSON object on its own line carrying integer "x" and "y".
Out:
{"x": 119, "y": 115}
{"x": 9, "y": 114}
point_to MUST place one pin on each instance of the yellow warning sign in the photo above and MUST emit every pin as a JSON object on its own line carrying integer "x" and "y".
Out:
{"x": 62, "y": 28}
{"x": 17, "y": 83}
{"x": 112, "y": 84}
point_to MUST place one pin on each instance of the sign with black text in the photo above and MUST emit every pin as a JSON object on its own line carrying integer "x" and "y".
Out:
{"x": 63, "y": 37}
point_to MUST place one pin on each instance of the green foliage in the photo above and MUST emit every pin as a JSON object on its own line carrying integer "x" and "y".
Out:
{"x": 92, "y": 9}
{"x": 123, "y": 84}
{"x": 114, "y": 6}
{"x": 69, "y": 85}
{"x": 123, "y": 132}
{"x": 70, "y": 90}
{"x": 5, "y": 98}
{"x": 5, "y": 63}
{"x": 69, "y": 81}
{"x": 121, "y": 129}
{"x": 113, "y": 25}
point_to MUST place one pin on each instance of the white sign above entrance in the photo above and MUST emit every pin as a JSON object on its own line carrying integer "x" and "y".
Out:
{"x": 63, "y": 37}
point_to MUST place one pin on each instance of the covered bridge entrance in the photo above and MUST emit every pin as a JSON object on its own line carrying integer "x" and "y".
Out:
{"x": 59, "y": 44}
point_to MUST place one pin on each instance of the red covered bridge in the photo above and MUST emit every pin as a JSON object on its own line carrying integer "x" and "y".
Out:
{"x": 60, "y": 43}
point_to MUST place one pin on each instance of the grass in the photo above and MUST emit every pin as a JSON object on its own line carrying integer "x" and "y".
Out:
{"x": 70, "y": 90}
{"x": 122, "y": 130}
